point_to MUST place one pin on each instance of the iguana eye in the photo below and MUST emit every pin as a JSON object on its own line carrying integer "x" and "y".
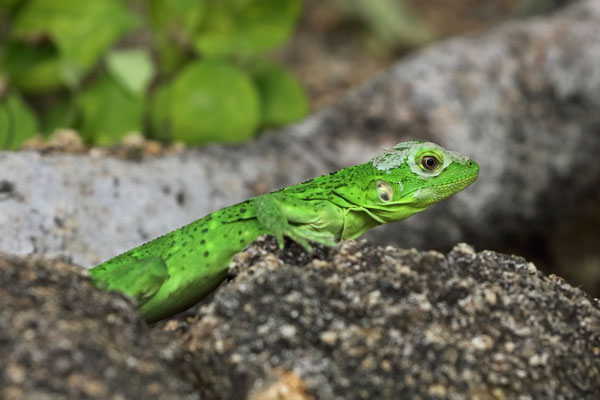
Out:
{"x": 384, "y": 191}
{"x": 430, "y": 163}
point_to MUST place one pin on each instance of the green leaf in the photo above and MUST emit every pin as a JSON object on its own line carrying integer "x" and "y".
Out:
{"x": 17, "y": 122}
{"x": 62, "y": 114}
{"x": 209, "y": 102}
{"x": 109, "y": 112}
{"x": 160, "y": 113}
{"x": 32, "y": 68}
{"x": 246, "y": 27}
{"x": 7, "y": 4}
{"x": 170, "y": 58}
{"x": 174, "y": 23}
{"x": 185, "y": 15}
{"x": 283, "y": 99}
{"x": 132, "y": 68}
{"x": 82, "y": 30}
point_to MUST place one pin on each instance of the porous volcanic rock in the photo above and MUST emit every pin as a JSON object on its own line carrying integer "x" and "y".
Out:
{"x": 364, "y": 322}
{"x": 61, "y": 338}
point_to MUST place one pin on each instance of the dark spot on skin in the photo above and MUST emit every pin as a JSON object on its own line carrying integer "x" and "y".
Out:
{"x": 242, "y": 210}
{"x": 204, "y": 230}
{"x": 206, "y": 254}
{"x": 180, "y": 198}
{"x": 202, "y": 241}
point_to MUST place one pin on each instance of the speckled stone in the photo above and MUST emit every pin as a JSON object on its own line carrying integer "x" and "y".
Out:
{"x": 60, "y": 338}
{"x": 364, "y": 322}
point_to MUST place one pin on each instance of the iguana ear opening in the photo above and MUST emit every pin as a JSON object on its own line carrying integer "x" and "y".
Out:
{"x": 384, "y": 191}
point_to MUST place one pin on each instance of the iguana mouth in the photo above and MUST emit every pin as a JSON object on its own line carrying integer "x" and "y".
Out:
{"x": 433, "y": 194}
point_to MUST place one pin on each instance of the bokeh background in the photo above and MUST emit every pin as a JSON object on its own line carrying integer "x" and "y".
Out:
{"x": 111, "y": 68}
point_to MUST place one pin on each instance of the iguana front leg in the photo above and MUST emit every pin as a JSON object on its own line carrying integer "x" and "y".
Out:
{"x": 301, "y": 220}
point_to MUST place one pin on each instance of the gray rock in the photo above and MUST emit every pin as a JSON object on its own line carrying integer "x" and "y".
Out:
{"x": 522, "y": 100}
{"x": 60, "y": 338}
{"x": 353, "y": 322}
{"x": 361, "y": 322}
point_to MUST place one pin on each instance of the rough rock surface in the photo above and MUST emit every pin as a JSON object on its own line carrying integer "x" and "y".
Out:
{"x": 361, "y": 322}
{"x": 352, "y": 322}
{"x": 522, "y": 100}
{"x": 60, "y": 338}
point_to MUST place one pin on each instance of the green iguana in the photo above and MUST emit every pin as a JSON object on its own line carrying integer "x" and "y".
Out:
{"x": 175, "y": 271}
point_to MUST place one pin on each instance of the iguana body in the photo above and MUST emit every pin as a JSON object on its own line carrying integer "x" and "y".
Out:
{"x": 174, "y": 271}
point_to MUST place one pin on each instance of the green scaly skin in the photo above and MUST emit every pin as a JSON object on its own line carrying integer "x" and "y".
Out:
{"x": 175, "y": 271}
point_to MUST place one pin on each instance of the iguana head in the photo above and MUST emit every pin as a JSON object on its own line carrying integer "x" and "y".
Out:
{"x": 411, "y": 176}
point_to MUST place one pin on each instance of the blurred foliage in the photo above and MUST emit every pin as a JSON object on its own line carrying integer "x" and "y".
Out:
{"x": 211, "y": 112}
{"x": 392, "y": 23}
{"x": 283, "y": 100}
{"x": 527, "y": 8}
{"x": 17, "y": 120}
{"x": 190, "y": 70}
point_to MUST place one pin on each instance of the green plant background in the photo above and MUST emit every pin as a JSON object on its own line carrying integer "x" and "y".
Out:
{"x": 196, "y": 71}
